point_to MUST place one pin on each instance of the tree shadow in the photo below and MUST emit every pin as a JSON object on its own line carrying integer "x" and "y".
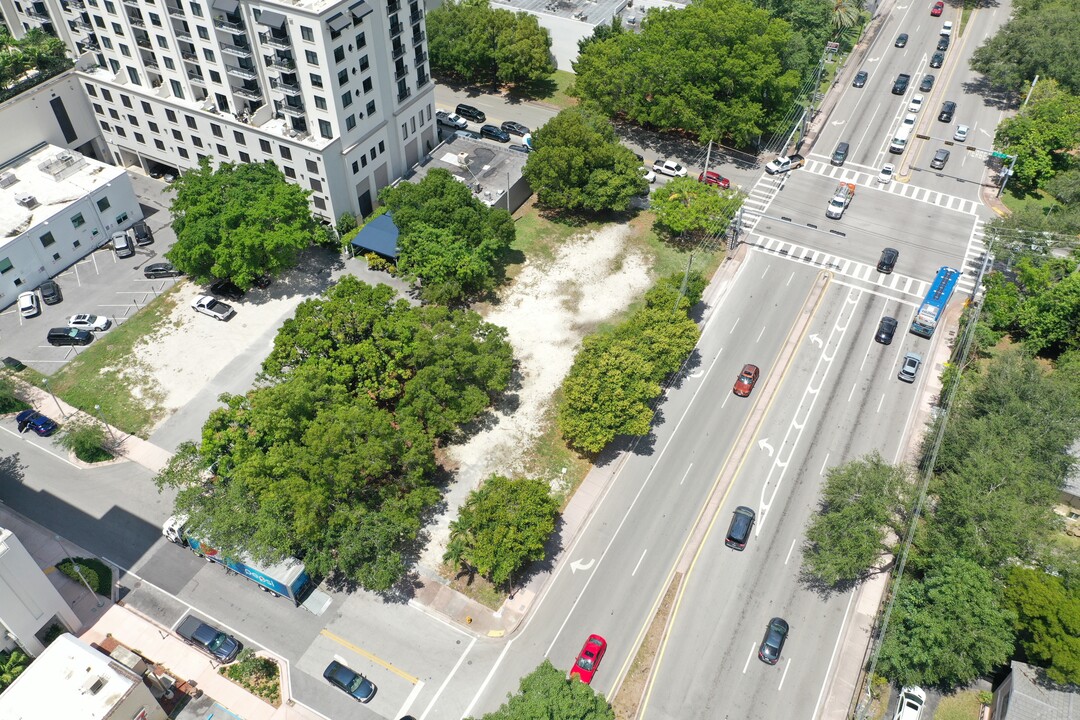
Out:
{"x": 12, "y": 468}
{"x": 553, "y": 547}
{"x": 537, "y": 90}
{"x": 993, "y": 96}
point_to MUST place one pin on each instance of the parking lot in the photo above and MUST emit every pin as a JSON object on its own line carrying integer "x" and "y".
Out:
{"x": 99, "y": 284}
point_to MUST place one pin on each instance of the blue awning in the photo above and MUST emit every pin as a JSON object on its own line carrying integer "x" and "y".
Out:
{"x": 378, "y": 236}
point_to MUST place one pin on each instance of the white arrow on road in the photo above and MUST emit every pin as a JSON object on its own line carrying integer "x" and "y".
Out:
{"x": 816, "y": 340}
{"x": 763, "y": 443}
{"x": 581, "y": 565}
{"x": 873, "y": 59}
{"x": 838, "y": 122}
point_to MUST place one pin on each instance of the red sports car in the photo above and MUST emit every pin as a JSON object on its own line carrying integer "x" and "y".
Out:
{"x": 938, "y": 8}
{"x": 714, "y": 178}
{"x": 746, "y": 381}
{"x": 588, "y": 660}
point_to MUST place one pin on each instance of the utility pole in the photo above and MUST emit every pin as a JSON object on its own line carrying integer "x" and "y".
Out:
{"x": 1031, "y": 90}
{"x": 708, "y": 154}
{"x": 1008, "y": 174}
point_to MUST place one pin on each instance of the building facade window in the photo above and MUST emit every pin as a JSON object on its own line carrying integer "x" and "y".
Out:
{"x": 47, "y": 239}
{"x": 307, "y": 34}
{"x": 103, "y": 204}
{"x": 325, "y": 129}
{"x": 77, "y": 220}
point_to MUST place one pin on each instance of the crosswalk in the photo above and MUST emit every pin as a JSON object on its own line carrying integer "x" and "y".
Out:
{"x": 907, "y": 190}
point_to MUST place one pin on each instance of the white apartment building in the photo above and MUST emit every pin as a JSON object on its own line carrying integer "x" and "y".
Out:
{"x": 335, "y": 92}
{"x": 29, "y": 604}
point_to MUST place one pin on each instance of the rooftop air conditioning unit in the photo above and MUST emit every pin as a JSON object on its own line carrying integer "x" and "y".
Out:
{"x": 463, "y": 158}
{"x": 8, "y": 179}
{"x": 26, "y": 200}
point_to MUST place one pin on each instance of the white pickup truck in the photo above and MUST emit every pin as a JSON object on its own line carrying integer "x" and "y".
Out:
{"x": 840, "y": 200}
{"x": 784, "y": 163}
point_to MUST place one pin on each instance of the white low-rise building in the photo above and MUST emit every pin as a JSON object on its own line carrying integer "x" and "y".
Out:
{"x": 29, "y": 604}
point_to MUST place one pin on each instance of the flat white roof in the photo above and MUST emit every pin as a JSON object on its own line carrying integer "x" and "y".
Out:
{"x": 69, "y": 680}
{"x": 53, "y": 178}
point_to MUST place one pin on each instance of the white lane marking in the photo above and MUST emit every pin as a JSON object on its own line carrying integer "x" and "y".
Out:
{"x": 687, "y": 473}
{"x": 735, "y": 325}
{"x": 832, "y": 657}
{"x": 404, "y": 709}
{"x": 823, "y": 464}
{"x": 40, "y": 447}
{"x": 446, "y": 682}
{"x": 790, "y": 278}
{"x": 881, "y": 402}
{"x": 760, "y": 334}
{"x": 790, "y": 550}
{"x": 787, "y": 666}
{"x": 639, "y": 562}
{"x": 749, "y": 658}
{"x": 854, "y": 387}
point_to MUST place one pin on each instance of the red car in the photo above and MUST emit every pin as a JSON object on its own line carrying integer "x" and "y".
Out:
{"x": 938, "y": 8}
{"x": 588, "y": 660}
{"x": 747, "y": 379}
{"x": 714, "y": 178}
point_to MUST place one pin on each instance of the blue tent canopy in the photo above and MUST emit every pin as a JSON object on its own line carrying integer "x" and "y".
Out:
{"x": 378, "y": 236}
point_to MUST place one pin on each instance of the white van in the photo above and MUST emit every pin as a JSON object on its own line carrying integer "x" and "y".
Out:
{"x": 899, "y": 142}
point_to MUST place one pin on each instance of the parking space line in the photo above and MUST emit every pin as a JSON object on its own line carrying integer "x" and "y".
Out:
{"x": 373, "y": 658}
{"x": 58, "y": 457}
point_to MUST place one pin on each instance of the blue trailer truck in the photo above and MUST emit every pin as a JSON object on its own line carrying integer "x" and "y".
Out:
{"x": 288, "y": 578}
{"x": 934, "y": 304}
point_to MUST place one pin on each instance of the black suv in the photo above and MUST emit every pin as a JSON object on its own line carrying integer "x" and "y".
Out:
{"x": 937, "y": 59}
{"x": 69, "y": 336}
{"x": 885, "y": 330}
{"x": 50, "y": 292}
{"x": 840, "y": 154}
{"x": 226, "y": 289}
{"x": 888, "y": 259}
{"x": 742, "y": 521}
{"x": 142, "y": 233}
{"x": 943, "y": 43}
{"x": 899, "y": 86}
{"x": 927, "y": 83}
{"x": 948, "y": 109}
{"x": 470, "y": 113}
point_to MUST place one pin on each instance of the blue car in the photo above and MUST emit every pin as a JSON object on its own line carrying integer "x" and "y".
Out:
{"x": 352, "y": 682}
{"x": 33, "y": 420}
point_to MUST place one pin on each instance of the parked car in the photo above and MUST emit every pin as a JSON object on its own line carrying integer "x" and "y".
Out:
{"x": 467, "y": 134}
{"x": 901, "y": 40}
{"x": 669, "y": 167}
{"x": 161, "y": 270}
{"x": 515, "y": 128}
{"x": 213, "y": 307}
{"x": 714, "y": 178}
{"x": 887, "y": 261}
{"x": 773, "y": 643}
{"x": 141, "y": 232}
{"x": 943, "y": 43}
{"x": 946, "y": 28}
{"x": 226, "y": 289}
{"x": 910, "y": 705}
{"x": 860, "y": 79}
{"x": 910, "y": 119}
{"x": 948, "y": 109}
{"x": 916, "y": 103}
{"x": 353, "y": 683}
{"x": 940, "y": 158}
{"x": 744, "y": 384}
{"x": 840, "y": 154}
{"x": 885, "y": 330}
{"x": 648, "y": 174}
{"x": 961, "y": 134}
{"x": 28, "y": 304}
{"x": 122, "y": 245}
{"x": 927, "y": 83}
{"x": 939, "y": 7}
{"x": 33, "y": 420}
{"x": 89, "y": 322}
{"x": 588, "y": 660}
{"x": 470, "y": 113}
{"x": 67, "y": 336}
{"x": 452, "y": 119}
{"x": 886, "y": 175}
{"x": 493, "y": 133}
{"x": 910, "y": 367}
{"x": 738, "y": 533}
{"x": 50, "y": 292}
{"x": 937, "y": 59}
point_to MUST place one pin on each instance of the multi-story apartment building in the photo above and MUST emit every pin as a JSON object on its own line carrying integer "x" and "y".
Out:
{"x": 335, "y": 92}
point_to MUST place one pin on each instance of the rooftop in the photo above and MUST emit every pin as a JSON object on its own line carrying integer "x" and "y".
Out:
{"x": 1033, "y": 698}
{"x": 487, "y": 167}
{"x": 42, "y": 182}
{"x": 69, "y": 680}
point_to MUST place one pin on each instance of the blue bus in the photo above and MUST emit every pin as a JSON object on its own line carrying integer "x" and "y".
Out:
{"x": 933, "y": 305}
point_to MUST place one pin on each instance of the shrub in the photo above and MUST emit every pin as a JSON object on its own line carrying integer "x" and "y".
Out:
{"x": 258, "y": 675}
{"x": 87, "y": 440}
{"x": 97, "y": 574}
{"x": 9, "y": 401}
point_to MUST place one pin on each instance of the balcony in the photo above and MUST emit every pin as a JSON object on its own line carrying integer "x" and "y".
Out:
{"x": 291, "y": 89}
{"x": 416, "y": 17}
{"x": 248, "y": 94}
{"x": 418, "y": 37}
{"x": 137, "y": 22}
{"x": 422, "y": 80}
{"x": 396, "y": 29}
{"x": 404, "y": 94}
{"x": 77, "y": 4}
{"x": 189, "y": 56}
{"x": 83, "y": 25}
{"x": 392, "y": 6}
{"x": 144, "y": 43}
{"x": 236, "y": 50}
{"x": 131, "y": 3}
{"x": 292, "y": 110}
{"x": 397, "y": 51}
{"x": 281, "y": 63}
{"x": 151, "y": 64}
{"x": 401, "y": 71}
{"x": 184, "y": 35}
{"x": 420, "y": 58}
{"x": 232, "y": 27}
{"x": 176, "y": 12}
{"x": 196, "y": 76}
{"x": 245, "y": 73}
{"x": 275, "y": 41}
{"x": 38, "y": 15}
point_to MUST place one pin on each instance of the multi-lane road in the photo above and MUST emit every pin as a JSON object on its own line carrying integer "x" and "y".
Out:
{"x": 803, "y": 306}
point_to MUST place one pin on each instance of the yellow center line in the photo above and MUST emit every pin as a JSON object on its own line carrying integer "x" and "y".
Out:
{"x": 373, "y": 658}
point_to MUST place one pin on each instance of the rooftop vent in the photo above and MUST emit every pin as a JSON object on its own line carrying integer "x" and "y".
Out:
{"x": 8, "y": 179}
{"x": 26, "y": 200}
{"x": 463, "y": 158}
{"x": 63, "y": 164}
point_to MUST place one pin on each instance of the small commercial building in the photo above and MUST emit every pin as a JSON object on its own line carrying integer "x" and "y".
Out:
{"x": 29, "y": 604}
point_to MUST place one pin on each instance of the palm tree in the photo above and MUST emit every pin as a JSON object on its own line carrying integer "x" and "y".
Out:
{"x": 11, "y": 666}
{"x": 846, "y": 13}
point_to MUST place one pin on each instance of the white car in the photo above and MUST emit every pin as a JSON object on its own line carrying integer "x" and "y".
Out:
{"x": 961, "y": 133}
{"x": 669, "y": 167}
{"x": 885, "y": 176}
{"x": 916, "y": 103}
{"x": 946, "y": 28}
{"x": 29, "y": 305}
{"x": 910, "y": 119}
{"x": 911, "y": 704}
{"x": 648, "y": 174}
{"x": 89, "y": 322}
{"x": 451, "y": 119}
{"x": 213, "y": 307}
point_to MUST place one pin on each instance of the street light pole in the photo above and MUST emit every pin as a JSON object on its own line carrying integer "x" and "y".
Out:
{"x": 78, "y": 572}
{"x": 46, "y": 381}
{"x": 101, "y": 417}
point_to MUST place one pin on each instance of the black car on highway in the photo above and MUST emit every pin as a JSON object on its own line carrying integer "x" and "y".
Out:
{"x": 860, "y": 79}
{"x": 470, "y": 113}
{"x": 885, "y": 330}
{"x": 927, "y": 83}
{"x": 773, "y": 643}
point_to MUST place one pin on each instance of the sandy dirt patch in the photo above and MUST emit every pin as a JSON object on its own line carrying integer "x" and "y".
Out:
{"x": 548, "y": 309}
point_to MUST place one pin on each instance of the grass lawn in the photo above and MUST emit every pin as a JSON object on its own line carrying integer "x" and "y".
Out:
{"x": 964, "y": 705}
{"x": 1041, "y": 200}
{"x": 563, "y": 79}
{"x": 105, "y": 374}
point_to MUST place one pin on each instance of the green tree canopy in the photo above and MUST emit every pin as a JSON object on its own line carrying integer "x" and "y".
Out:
{"x": 546, "y": 693}
{"x": 1047, "y": 621}
{"x": 474, "y": 42}
{"x": 718, "y": 69}
{"x": 1041, "y": 134}
{"x": 449, "y": 240}
{"x": 502, "y": 527}
{"x": 1039, "y": 39}
{"x": 239, "y": 222}
{"x": 332, "y": 459}
{"x": 860, "y": 502}
{"x": 36, "y": 50}
{"x": 578, "y": 163}
{"x": 692, "y": 210}
{"x": 948, "y": 628}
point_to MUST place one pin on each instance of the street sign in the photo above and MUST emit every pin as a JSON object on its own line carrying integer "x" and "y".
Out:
{"x": 1001, "y": 155}
{"x": 832, "y": 46}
